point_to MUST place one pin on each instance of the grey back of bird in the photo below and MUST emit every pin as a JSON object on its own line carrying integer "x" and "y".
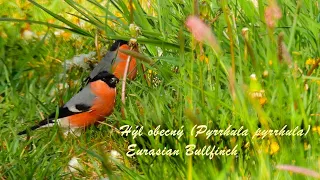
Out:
{"x": 85, "y": 98}
{"x": 105, "y": 64}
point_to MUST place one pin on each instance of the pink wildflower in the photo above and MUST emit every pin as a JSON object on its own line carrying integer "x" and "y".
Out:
{"x": 272, "y": 14}
{"x": 201, "y": 31}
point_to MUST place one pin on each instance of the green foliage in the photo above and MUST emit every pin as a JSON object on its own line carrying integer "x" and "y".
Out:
{"x": 190, "y": 85}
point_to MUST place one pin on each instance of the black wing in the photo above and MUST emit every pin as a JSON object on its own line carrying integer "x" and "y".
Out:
{"x": 63, "y": 112}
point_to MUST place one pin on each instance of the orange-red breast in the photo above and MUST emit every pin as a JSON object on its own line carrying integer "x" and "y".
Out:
{"x": 92, "y": 104}
{"x": 115, "y": 61}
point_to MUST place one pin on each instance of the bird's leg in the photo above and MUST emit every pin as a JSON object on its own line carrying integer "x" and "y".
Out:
{"x": 73, "y": 131}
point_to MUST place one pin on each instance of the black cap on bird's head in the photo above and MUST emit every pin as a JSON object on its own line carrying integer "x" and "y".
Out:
{"x": 117, "y": 44}
{"x": 106, "y": 77}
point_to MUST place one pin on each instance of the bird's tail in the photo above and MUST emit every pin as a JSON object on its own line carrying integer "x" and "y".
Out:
{"x": 44, "y": 123}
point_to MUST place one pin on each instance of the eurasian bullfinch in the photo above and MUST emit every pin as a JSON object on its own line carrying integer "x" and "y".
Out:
{"x": 115, "y": 61}
{"x": 92, "y": 104}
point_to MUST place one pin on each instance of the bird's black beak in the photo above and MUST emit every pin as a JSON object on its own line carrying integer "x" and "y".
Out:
{"x": 113, "y": 81}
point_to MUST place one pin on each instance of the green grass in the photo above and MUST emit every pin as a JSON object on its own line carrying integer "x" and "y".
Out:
{"x": 188, "y": 90}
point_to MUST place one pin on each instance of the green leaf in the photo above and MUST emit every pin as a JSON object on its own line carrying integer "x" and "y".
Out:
{"x": 63, "y": 20}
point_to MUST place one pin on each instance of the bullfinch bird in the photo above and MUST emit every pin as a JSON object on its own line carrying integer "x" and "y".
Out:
{"x": 115, "y": 61}
{"x": 92, "y": 104}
